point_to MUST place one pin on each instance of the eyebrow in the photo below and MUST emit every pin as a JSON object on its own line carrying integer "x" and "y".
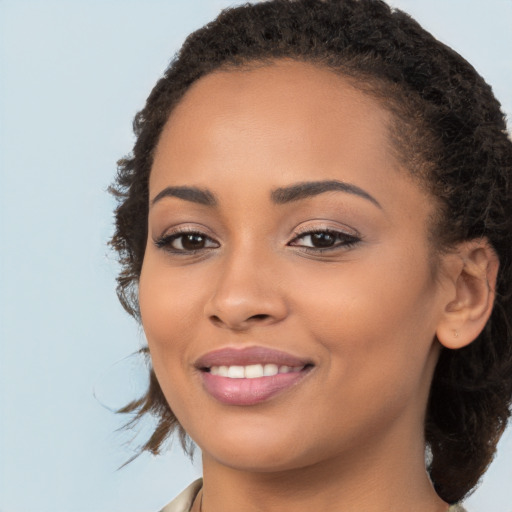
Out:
{"x": 192, "y": 194}
{"x": 308, "y": 189}
{"x": 295, "y": 192}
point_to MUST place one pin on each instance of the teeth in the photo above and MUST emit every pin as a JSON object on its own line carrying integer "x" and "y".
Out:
{"x": 270, "y": 369}
{"x": 236, "y": 372}
{"x": 252, "y": 371}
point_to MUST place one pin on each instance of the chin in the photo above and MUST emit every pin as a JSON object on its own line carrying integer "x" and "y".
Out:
{"x": 260, "y": 450}
{"x": 262, "y": 460}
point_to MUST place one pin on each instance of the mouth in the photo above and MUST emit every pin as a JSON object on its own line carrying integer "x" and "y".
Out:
{"x": 251, "y": 375}
{"x": 253, "y": 371}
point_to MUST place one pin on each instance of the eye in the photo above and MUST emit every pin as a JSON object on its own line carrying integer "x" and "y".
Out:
{"x": 184, "y": 242}
{"x": 324, "y": 240}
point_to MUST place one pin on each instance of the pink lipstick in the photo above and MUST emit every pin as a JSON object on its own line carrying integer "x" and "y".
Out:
{"x": 250, "y": 375}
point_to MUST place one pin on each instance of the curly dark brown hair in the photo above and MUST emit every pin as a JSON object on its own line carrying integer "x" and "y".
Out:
{"x": 449, "y": 131}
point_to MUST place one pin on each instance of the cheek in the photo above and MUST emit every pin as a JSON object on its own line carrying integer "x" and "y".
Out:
{"x": 166, "y": 318}
{"x": 376, "y": 335}
{"x": 165, "y": 299}
{"x": 379, "y": 314}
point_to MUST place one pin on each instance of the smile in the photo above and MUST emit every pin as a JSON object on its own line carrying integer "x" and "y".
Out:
{"x": 250, "y": 375}
{"x": 253, "y": 371}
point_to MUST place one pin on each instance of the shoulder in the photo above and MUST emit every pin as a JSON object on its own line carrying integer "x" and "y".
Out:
{"x": 456, "y": 508}
{"x": 183, "y": 502}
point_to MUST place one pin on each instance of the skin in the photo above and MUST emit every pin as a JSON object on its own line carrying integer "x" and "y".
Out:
{"x": 349, "y": 435}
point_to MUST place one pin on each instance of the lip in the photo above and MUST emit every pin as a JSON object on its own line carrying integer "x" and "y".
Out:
{"x": 243, "y": 391}
{"x": 248, "y": 355}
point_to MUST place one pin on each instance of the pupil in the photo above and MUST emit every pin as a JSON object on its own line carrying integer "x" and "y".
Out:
{"x": 322, "y": 239}
{"x": 192, "y": 242}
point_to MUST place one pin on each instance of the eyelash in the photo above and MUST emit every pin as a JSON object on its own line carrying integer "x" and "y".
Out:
{"x": 165, "y": 242}
{"x": 342, "y": 240}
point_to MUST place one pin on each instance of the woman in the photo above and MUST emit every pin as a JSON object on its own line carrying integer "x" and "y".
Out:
{"x": 316, "y": 230}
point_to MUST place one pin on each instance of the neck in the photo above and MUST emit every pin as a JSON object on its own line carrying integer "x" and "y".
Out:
{"x": 388, "y": 475}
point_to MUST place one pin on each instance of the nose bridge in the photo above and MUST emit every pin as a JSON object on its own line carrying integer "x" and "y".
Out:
{"x": 247, "y": 288}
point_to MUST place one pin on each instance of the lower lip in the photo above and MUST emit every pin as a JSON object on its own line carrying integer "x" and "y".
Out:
{"x": 249, "y": 391}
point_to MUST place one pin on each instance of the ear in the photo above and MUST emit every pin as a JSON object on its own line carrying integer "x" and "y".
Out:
{"x": 472, "y": 274}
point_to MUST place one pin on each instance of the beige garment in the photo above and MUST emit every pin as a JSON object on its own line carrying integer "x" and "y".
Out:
{"x": 183, "y": 502}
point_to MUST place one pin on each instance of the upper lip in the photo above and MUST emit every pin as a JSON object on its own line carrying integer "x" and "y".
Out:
{"x": 248, "y": 355}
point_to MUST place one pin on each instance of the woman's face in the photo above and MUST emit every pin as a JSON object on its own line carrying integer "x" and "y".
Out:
{"x": 284, "y": 237}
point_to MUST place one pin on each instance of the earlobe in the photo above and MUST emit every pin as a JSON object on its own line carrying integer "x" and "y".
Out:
{"x": 474, "y": 280}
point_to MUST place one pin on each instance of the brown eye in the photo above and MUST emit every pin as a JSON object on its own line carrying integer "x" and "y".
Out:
{"x": 322, "y": 239}
{"x": 318, "y": 240}
{"x": 186, "y": 242}
{"x": 191, "y": 242}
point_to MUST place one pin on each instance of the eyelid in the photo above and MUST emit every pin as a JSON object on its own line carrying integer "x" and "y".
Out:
{"x": 328, "y": 231}
{"x": 185, "y": 228}
{"x": 346, "y": 238}
{"x": 171, "y": 234}
{"x": 325, "y": 226}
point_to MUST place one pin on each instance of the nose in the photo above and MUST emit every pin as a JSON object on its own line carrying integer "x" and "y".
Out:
{"x": 248, "y": 293}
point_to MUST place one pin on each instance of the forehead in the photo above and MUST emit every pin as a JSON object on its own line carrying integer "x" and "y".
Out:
{"x": 287, "y": 110}
{"x": 284, "y": 90}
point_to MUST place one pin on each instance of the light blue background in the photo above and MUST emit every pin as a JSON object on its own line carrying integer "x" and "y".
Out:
{"x": 72, "y": 75}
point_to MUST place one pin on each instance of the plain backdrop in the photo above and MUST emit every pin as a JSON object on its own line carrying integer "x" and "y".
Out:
{"x": 72, "y": 75}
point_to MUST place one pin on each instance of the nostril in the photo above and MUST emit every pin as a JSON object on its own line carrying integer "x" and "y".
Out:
{"x": 259, "y": 317}
{"x": 216, "y": 320}
{"x": 240, "y": 323}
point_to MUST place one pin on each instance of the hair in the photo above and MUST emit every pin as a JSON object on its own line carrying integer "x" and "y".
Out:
{"x": 448, "y": 130}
